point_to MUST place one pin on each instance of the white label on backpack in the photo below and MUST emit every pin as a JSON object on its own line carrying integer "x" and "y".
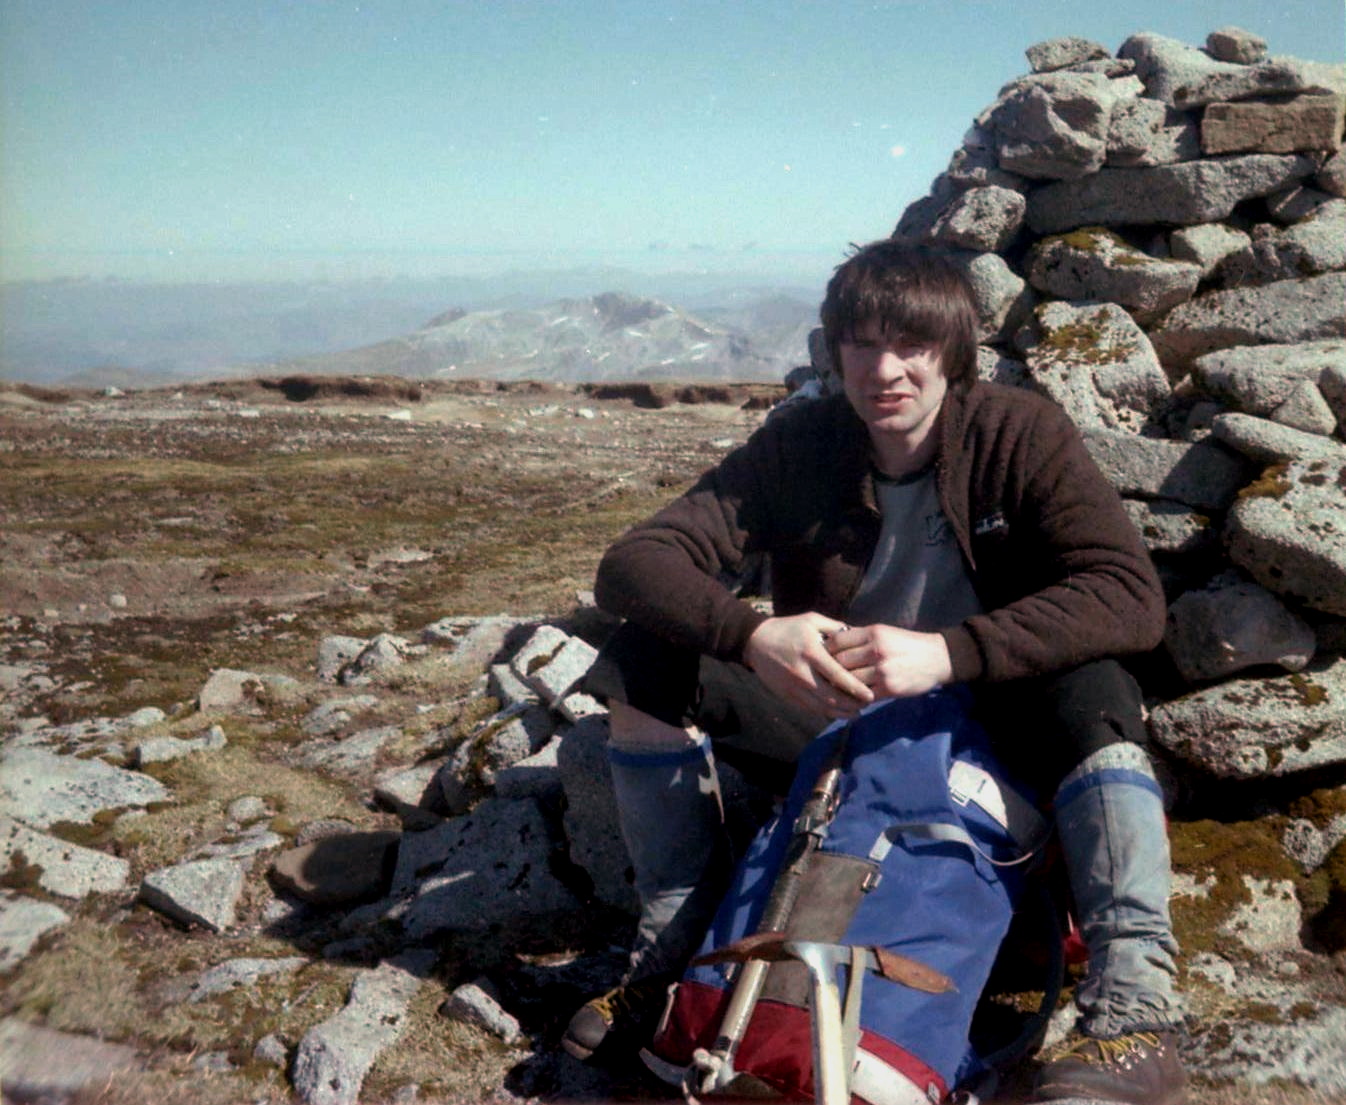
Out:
{"x": 970, "y": 783}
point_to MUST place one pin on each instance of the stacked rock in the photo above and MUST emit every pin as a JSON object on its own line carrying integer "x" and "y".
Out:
{"x": 1157, "y": 240}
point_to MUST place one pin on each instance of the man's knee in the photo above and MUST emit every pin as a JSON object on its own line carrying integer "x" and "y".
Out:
{"x": 1047, "y": 727}
{"x": 640, "y": 670}
{"x": 633, "y": 730}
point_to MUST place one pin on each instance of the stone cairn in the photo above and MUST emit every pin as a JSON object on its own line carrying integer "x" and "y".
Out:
{"x": 1156, "y": 239}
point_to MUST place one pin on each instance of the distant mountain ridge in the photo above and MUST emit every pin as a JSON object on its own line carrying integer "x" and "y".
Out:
{"x": 606, "y": 337}
{"x": 100, "y": 333}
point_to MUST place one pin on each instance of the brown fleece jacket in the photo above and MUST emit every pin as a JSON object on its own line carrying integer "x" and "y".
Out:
{"x": 1058, "y": 567}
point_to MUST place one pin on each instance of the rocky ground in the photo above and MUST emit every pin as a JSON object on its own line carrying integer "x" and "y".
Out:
{"x": 152, "y": 538}
{"x": 275, "y": 619}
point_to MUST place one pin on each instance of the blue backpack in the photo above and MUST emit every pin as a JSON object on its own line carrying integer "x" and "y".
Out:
{"x": 923, "y": 857}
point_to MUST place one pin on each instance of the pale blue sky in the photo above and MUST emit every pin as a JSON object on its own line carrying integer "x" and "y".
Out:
{"x": 180, "y": 140}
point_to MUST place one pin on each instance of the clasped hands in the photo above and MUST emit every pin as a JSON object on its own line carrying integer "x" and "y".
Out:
{"x": 833, "y": 669}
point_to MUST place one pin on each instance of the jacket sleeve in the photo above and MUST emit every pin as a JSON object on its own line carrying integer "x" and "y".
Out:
{"x": 1079, "y": 585}
{"x": 666, "y": 574}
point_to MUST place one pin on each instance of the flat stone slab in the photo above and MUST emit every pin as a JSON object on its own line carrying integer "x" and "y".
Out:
{"x": 23, "y": 922}
{"x": 68, "y": 870}
{"x": 231, "y": 975}
{"x": 1285, "y": 312}
{"x": 1257, "y": 379}
{"x": 41, "y": 788}
{"x": 42, "y": 1064}
{"x": 1269, "y": 442}
{"x": 1306, "y": 122}
{"x": 1255, "y": 728}
{"x": 199, "y": 892}
{"x": 1204, "y": 476}
{"x": 333, "y": 1058}
{"x": 1185, "y": 194}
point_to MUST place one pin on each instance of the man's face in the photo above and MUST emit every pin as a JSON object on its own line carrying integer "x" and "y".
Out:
{"x": 896, "y": 386}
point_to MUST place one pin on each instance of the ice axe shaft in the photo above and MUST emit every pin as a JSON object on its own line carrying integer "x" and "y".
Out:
{"x": 809, "y": 829}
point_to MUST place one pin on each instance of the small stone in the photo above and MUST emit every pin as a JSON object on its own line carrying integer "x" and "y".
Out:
{"x": 200, "y": 892}
{"x": 1236, "y": 45}
{"x": 477, "y": 1003}
{"x": 248, "y": 808}
{"x": 271, "y": 1050}
{"x": 23, "y": 922}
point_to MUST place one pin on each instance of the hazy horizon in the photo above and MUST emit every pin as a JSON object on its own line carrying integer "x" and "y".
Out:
{"x": 181, "y": 141}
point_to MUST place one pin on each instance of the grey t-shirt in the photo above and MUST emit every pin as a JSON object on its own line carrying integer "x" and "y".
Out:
{"x": 916, "y": 578}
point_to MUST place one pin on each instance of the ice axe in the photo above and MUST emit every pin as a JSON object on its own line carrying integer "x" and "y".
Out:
{"x": 836, "y": 1029}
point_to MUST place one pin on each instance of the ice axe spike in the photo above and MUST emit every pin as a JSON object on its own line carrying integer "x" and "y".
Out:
{"x": 774, "y": 947}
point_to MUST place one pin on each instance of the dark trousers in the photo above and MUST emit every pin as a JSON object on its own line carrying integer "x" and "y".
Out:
{"x": 1041, "y": 728}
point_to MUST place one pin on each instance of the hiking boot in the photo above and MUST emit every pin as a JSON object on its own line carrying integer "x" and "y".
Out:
{"x": 625, "y": 1014}
{"x": 1142, "y": 1068}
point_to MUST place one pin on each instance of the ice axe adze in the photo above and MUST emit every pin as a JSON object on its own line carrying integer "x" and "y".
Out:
{"x": 836, "y": 1030}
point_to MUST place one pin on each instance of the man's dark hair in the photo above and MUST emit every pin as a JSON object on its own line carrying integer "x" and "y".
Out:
{"x": 910, "y": 290}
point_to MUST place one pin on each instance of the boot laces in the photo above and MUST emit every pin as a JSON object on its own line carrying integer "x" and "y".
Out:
{"x": 1116, "y": 1051}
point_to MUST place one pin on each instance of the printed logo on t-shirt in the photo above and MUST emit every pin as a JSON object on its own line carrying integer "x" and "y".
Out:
{"x": 937, "y": 529}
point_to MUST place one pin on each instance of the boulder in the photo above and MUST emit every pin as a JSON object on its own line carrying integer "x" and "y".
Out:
{"x": 1094, "y": 263}
{"x": 1054, "y": 126}
{"x": 1206, "y": 245}
{"x": 1232, "y": 624}
{"x": 1259, "y": 379}
{"x": 228, "y": 690}
{"x": 1307, "y": 122}
{"x": 381, "y": 656}
{"x": 232, "y": 974}
{"x": 1255, "y": 728}
{"x": 489, "y": 869}
{"x": 551, "y": 662}
{"x": 1185, "y": 194}
{"x": 1286, "y": 312}
{"x": 1096, "y": 363}
{"x": 1315, "y": 244}
{"x": 42, "y": 1064}
{"x": 164, "y": 749}
{"x": 57, "y": 866}
{"x": 477, "y": 1003}
{"x": 1143, "y": 133}
{"x": 1171, "y": 527}
{"x": 334, "y": 653}
{"x": 1331, "y": 177}
{"x": 1288, "y": 531}
{"x": 981, "y": 219}
{"x": 1003, "y": 298}
{"x": 339, "y": 869}
{"x": 351, "y": 755}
